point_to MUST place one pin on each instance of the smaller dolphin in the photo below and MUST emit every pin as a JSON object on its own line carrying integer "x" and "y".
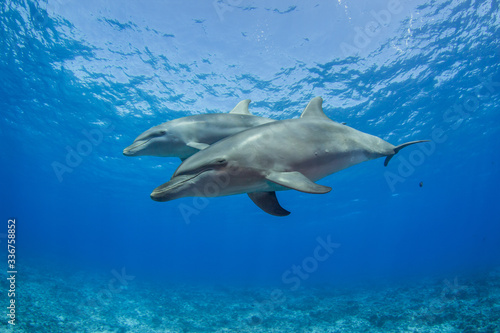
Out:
{"x": 185, "y": 136}
{"x": 283, "y": 155}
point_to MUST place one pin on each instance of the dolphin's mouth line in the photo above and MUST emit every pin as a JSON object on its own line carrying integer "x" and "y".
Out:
{"x": 132, "y": 146}
{"x": 180, "y": 183}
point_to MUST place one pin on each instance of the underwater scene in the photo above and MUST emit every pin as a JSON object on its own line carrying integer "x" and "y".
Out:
{"x": 250, "y": 166}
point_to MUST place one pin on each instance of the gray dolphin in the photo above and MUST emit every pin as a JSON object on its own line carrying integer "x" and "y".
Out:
{"x": 283, "y": 155}
{"x": 185, "y": 136}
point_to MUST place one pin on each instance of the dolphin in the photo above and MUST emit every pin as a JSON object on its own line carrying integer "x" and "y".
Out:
{"x": 283, "y": 155}
{"x": 185, "y": 136}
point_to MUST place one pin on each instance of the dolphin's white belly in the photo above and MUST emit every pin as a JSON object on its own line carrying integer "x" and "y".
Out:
{"x": 322, "y": 167}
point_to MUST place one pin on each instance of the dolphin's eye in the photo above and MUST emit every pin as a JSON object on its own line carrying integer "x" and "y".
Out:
{"x": 157, "y": 134}
{"x": 220, "y": 161}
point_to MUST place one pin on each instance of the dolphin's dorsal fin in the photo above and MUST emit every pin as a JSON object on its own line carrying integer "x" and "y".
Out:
{"x": 268, "y": 202}
{"x": 197, "y": 145}
{"x": 297, "y": 181}
{"x": 242, "y": 108}
{"x": 314, "y": 109}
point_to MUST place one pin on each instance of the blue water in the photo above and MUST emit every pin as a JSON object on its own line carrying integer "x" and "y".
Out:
{"x": 402, "y": 71}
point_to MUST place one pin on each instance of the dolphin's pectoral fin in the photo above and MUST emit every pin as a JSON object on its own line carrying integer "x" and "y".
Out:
{"x": 398, "y": 148}
{"x": 297, "y": 181}
{"x": 268, "y": 202}
{"x": 197, "y": 145}
{"x": 242, "y": 108}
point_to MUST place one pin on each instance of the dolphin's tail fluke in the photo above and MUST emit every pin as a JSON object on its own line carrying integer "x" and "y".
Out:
{"x": 398, "y": 148}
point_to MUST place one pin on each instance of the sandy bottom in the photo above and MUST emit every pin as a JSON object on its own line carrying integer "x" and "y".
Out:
{"x": 116, "y": 302}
